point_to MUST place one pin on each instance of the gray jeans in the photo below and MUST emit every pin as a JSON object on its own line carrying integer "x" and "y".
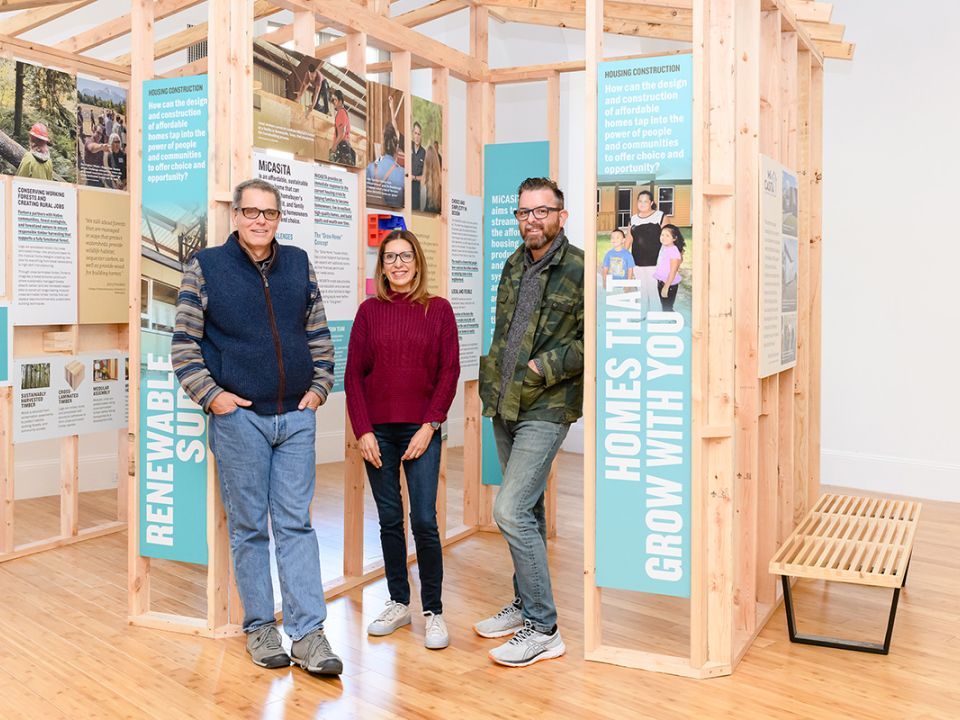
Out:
{"x": 526, "y": 450}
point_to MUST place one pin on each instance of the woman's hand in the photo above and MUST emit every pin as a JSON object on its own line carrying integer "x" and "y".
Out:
{"x": 419, "y": 442}
{"x": 665, "y": 293}
{"x": 370, "y": 449}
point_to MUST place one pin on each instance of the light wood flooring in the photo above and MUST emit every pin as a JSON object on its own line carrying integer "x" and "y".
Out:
{"x": 66, "y": 650}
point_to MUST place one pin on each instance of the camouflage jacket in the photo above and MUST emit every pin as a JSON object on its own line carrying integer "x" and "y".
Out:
{"x": 554, "y": 337}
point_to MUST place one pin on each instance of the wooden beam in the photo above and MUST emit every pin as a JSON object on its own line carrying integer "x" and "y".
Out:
{"x": 638, "y": 12}
{"x": 823, "y": 31}
{"x": 120, "y": 26}
{"x": 138, "y": 567}
{"x": 592, "y": 594}
{"x": 432, "y": 11}
{"x": 51, "y": 57}
{"x": 813, "y": 11}
{"x": 185, "y": 38}
{"x": 390, "y": 35}
{"x": 30, "y": 19}
{"x": 10, "y": 5}
{"x": 616, "y": 26}
{"x": 837, "y": 50}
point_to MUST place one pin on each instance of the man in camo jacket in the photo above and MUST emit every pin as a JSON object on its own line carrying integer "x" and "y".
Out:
{"x": 531, "y": 384}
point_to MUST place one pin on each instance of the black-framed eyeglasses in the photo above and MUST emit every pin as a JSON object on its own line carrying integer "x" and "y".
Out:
{"x": 389, "y": 258}
{"x": 540, "y": 213}
{"x": 252, "y": 213}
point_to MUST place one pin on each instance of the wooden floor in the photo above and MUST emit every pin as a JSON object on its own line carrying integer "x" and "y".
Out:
{"x": 66, "y": 650}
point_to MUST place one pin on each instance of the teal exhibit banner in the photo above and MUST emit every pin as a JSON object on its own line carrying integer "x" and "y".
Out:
{"x": 173, "y": 460}
{"x": 6, "y": 344}
{"x": 644, "y": 319}
{"x": 505, "y": 166}
{"x": 173, "y": 452}
{"x": 340, "y": 334}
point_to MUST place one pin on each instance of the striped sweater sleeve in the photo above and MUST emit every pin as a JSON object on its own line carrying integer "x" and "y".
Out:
{"x": 188, "y": 331}
{"x": 319, "y": 340}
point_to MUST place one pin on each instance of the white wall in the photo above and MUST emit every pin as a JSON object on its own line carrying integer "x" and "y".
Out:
{"x": 891, "y": 306}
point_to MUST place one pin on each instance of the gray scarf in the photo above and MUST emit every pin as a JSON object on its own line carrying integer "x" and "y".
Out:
{"x": 528, "y": 301}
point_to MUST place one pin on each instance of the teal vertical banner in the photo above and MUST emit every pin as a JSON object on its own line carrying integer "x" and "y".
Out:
{"x": 340, "y": 334}
{"x": 173, "y": 452}
{"x": 173, "y": 460}
{"x": 644, "y": 319}
{"x": 6, "y": 347}
{"x": 505, "y": 166}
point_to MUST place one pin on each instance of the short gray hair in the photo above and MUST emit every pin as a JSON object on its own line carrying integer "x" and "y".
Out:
{"x": 255, "y": 184}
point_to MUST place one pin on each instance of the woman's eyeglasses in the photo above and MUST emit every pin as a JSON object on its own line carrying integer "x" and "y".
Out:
{"x": 389, "y": 258}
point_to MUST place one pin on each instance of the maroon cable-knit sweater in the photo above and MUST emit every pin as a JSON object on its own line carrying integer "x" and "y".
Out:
{"x": 402, "y": 365}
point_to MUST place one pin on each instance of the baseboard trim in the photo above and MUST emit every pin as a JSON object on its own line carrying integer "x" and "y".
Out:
{"x": 890, "y": 474}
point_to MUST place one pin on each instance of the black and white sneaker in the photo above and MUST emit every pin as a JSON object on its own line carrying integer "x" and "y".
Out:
{"x": 505, "y": 622}
{"x": 528, "y": 646}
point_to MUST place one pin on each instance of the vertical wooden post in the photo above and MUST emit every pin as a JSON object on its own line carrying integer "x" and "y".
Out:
{"x": 477, "y": 120}
{"x": 801, "y": 437}
{"x": 815, "y": 280}
{"x": 230, "y": 86}
{"x": 714, "y": 64}
{"x": 354, "y": 472}
{"x": 7, "y": 496}
{"x": 768, "y": 532}
{"x": 787, "y": 62}
{"x": 69, "y": 485}
{"x": 746, "y": 414}
{"x": 304, "y": 32}
{"x": 440, "y": 94}
{"x": 124, "y": 333}
{"x": 553, "y": 136}
{"x": 141, "y": 69}
{"x": 592, "y": 610}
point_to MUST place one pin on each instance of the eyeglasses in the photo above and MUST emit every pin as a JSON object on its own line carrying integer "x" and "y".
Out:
{"x": 252, "y": 213}
{"x": 540, "y": 213}
{"x": 389, "y": 258}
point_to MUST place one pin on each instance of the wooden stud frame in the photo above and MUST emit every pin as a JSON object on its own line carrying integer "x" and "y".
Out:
{"x": 757, "y": 88}
{"x": 55, "y": 339}
{"x": 758, "y": 84}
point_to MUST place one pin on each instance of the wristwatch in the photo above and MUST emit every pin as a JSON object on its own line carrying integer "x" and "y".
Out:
{"x": 435, "y": 425}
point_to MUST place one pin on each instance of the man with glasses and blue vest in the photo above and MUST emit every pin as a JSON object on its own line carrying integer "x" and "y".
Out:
{"x": 531, "y": 384}
{"x": 251, "y": 346}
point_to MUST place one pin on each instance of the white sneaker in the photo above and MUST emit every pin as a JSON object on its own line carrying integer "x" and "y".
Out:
{"x": 505, "y": 622}
{"x": 435, "y": 636}
{"x": 396, "y": 615}
{"x": 527, "y": 647}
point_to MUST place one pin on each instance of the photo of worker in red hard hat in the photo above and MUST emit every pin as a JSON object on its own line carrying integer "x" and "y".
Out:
{"x": 38, "y": 122}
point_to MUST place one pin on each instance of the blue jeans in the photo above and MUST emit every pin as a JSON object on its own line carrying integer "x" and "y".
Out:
{"x": 268, "y": 463}
{"x": 422, "y": 477}
{"x": 526, "y": 450}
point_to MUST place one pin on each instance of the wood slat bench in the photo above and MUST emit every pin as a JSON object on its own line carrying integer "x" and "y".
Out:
{"x": 844, "y": 538}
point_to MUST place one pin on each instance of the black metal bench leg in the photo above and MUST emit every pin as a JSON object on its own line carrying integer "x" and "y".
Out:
{"x": 838, "y": 643}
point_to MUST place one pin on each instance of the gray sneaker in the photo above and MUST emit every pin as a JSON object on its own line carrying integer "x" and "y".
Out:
{"x": 435, "y": 635}
{"x": 505, "y": 622}
{"x": 313, "y": 654}
{"x": 264, "y": 647}
{"x": 396, "y": 615}
{"x": 527, "y": 647}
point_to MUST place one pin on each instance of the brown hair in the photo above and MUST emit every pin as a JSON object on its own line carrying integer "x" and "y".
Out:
{"x": 540, "y": 183}
{"x": 418, "y": 292}
{"x": 431, "y": 180}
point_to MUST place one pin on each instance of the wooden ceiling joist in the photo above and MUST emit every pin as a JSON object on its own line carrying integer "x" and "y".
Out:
{"x": 51, "y": 57}
{"x": 192, "y": 35}
{"x": 30, "y": 19}
{"x": 577, "y": 21}
{"x": 120, "y": 26}
{"x": 390, "y": 35}
{"x": 637, "y": 12}
{"x": 9, "y": 5}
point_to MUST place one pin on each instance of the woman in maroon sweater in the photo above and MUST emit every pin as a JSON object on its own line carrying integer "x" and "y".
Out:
{"x": 403, "y": 365}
